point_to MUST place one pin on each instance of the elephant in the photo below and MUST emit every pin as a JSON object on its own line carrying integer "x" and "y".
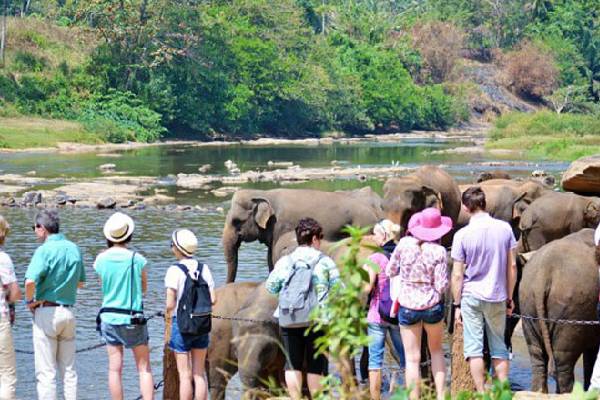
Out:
{"x": 560, "y": 281}
{"x": 555, "y": 215}
{"x": 264, "y": 215}
{"x": 257, "y": 343}
{"x": 221, "y": 361}
{"x": 506, "y": 199}
{"x": 428, "y": 186}
{"x": 368, "y": 196}
{"x": 496, "y": 174}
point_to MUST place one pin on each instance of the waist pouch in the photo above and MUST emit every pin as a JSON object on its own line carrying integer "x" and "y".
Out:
{"x": 131, "y": 313}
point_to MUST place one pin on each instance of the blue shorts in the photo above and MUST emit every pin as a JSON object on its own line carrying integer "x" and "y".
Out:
{"x": 183, "y": 343}
{"x": 377, "y": 334}
{"x": 129, "y": 336}
{"x": 433, "y": 315}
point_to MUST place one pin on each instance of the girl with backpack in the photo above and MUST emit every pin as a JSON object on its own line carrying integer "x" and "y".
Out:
{"x": 189, "y": 336}
{"x": 124, "y": 280}
{"x": 305, "y": 270}
{"x": 379, "y": 319}
{"x": 419, "y": 261}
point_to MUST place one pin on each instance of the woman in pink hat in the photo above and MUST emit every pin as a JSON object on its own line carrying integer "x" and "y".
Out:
{"x": 419, "y": 261}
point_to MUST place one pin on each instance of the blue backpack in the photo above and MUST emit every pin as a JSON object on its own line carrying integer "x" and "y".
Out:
{"x": 385, "y": 300}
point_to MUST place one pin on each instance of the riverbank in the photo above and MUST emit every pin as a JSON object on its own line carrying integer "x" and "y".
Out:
{"x": 547, "y": 135}
{"x": 29, "y": 135}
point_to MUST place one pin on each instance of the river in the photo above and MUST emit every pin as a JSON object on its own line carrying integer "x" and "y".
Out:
{"x": 153, "y": 227}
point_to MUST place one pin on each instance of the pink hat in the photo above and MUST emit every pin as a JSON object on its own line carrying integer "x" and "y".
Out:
{"x": 429, "y": 225}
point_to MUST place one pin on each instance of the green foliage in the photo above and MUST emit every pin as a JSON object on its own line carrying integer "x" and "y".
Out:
{"x": 27, "y": 62}
{"x": 343, "y": 320}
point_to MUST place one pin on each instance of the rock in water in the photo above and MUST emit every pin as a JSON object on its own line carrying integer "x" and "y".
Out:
{"x": 204, "y": 168}
{"x": 107, "y": 167}
{"x": 32, "y": 198}
{"x": 583, "y": 176}
{"x": 107, "y": 202}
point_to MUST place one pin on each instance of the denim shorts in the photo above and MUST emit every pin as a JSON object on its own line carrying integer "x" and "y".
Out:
{"x": 183, "y": 343}
{"x": 129, "y": 336}
{"x": 377, "y": 334}
{"x": 433, "y": 315}
{"x": 478, "y": 315}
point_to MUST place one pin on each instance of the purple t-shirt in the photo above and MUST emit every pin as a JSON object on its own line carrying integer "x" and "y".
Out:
{"x": 483, "y": 246}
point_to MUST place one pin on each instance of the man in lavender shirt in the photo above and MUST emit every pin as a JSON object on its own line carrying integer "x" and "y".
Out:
{"x": 483, "y": 280}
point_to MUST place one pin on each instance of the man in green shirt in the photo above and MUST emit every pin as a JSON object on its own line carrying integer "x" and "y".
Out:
{"x": 53, "y": 276}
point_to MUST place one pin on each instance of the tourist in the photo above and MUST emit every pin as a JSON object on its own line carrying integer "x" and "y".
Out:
{"x": 190, "y": 349}
{"x": 483, "y": 280}
{"x": 9, "y": 293}
{"x": 595, "y": 380}
{"x": 298, "y": 342}
{"x": 124, "y": 280}
{"x": 51, "y": 281}
{"x": 378, "y": 318}
{"x": 420, "y": 263}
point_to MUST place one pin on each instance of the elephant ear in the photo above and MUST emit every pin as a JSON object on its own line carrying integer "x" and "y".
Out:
{"x": 262, "y": 212}
{"x": 518, "y": 205}
{"x": 433, "y": 198}
{"x": 591, "y": 214}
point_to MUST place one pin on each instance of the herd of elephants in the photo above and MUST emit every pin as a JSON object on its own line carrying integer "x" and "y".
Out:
{"x": 558, "y": 274}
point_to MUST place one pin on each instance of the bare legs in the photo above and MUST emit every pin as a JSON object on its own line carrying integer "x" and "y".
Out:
{"x": 115, "y": 371}
{"x": 411, "y": 338}
{"x": 477, "y": 366}
{"x": 191, "y": 365}
{"x": 375, "y": 383}
{"x": 293, "y": 381}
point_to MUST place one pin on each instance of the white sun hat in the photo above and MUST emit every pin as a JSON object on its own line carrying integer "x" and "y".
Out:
{"x": 185, "y": 241}
{"x": 118, "y": 227}
{"x": 597, "y": 235}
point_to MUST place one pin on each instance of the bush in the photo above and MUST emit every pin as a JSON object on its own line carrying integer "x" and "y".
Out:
{"x": 8, "y": 88}
{"x": 440, "y": 44}
{"x": 27, "y": 62}
{"x": 530, "y": 71}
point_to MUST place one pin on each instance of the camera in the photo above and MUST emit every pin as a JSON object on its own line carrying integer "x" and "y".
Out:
{"x": 138, "y": 319}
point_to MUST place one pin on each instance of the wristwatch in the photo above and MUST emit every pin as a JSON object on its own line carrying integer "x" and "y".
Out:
{"x": 456, "y": 305}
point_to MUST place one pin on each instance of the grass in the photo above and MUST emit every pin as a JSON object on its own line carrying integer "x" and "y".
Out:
{"x": 28, "y": 132}
{"x": 46, "y": 42}
{"x": 548, "y": 135}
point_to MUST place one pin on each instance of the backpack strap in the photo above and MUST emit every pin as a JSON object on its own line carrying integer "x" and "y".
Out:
{"x": 186, "y": 271}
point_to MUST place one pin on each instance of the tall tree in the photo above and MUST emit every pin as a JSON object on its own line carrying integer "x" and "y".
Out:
{"x": 3, "y": 32}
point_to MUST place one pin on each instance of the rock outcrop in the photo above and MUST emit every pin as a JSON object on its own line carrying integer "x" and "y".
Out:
{"x": 583, "y": 176}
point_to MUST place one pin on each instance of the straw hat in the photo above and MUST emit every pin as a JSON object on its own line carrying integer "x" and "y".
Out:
{"x": 429, "y": 225}
{"x": 185, "y": 241}
{"x": 118, "y": 227}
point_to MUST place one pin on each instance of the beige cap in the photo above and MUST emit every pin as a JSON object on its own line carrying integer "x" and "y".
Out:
{"x": 185, "y": 241}
{"x": 118, "y": 227}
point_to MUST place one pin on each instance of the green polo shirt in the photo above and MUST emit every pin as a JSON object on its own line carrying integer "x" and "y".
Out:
{"x": 56, "y": 268}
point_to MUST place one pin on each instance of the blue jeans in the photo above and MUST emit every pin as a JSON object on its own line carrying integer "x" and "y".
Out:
{"x": 377, "y": 334}
{"x": 433, "y": 315}
{"x": 183, "y": 343}
{"x": 478, "y": 315}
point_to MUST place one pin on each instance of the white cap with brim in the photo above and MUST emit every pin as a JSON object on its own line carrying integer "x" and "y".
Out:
{"x": 118, "y": 227}
{"x": 185, "y": 241}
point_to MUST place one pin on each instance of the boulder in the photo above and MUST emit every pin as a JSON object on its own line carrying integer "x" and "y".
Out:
{"x": 583, "y": 176}
{"x": 32, "y": 198}
{"x": 204, "y": 168}
{"x": 495, "y": 174}
{"x": 61, "y": 199}
{"x": 107, "y": 167}
{"x": 106, "y": 202}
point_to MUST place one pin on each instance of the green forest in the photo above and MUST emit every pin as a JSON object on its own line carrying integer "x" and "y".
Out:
{"x": 139, "y": 70}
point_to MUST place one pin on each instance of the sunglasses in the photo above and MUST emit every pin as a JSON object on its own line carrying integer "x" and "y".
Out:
{"x": 34, "y": 227}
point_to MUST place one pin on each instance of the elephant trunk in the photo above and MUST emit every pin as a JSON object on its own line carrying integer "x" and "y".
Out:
{"x": 231, "y": 244}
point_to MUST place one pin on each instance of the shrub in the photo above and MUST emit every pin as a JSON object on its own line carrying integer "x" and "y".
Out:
{"x": 8, "y": 88}
{"x": 530, "y": 71}
{"x": 25, "y": 62}
{"x": 440, "y": 44}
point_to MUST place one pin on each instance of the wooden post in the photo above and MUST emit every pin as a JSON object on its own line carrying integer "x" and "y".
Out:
{"x": 461, "y": 374}
{"x": 170, "y": 376}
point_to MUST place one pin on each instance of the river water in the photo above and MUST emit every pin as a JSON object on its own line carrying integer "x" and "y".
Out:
{"x": 153, "y": 228}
